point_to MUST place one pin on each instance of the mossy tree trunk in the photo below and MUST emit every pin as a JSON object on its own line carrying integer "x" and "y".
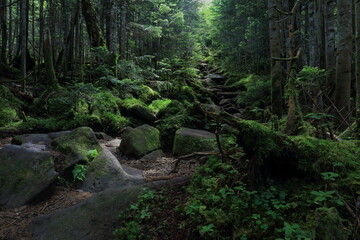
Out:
{"x": 92, "y": 24}
{"x": 48, "y": 60}
{"x": 357, "y": 65}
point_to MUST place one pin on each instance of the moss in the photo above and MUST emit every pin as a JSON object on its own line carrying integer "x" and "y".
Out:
{"x": 137, "y": 142}
{"x": 76, "y": 145}
{"x": 159, "y": 104}
{"x": 187, "y": 144}
{"x": 147, "y": 94}
{"x": 10, "y": 107}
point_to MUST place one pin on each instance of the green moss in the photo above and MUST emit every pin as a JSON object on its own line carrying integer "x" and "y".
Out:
{"x": 329, "y": 225}
{"x": 159, "y": 104}
{"x": 76, "y": 145}
{"x": 147, "y": 94}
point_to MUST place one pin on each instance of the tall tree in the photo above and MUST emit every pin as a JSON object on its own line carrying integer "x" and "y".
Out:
{"x": 276, "y": 51}
{"x": 23, "y": 38}
{"x": 123, "y": 35}
{"x": 95, "y": 34}
{"x": 330, "y": 59}
{"x": 3, "y": 31}
{"x": 343, "y": 60}
{"x": 357, "y": 64}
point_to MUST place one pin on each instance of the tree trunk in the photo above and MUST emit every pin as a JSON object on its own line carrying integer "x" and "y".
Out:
{"x": 48, "y": 60}
{"x": 320, "y": 33}
{"x": 23, "y": 39}
{"x": 123, "y": 37}
{"x": 330, "y": 58}
{"x": 3, "y": 57}
{"x": 343, "y": 61}
{"x": 276, "y": 50}
{"x": 92, "y": 25}
{"x": 357, "y": 65}
{"x": 313, "y": 56}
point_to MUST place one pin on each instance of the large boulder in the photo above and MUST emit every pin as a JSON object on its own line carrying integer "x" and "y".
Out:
{"x": 189, "y": 140}
{"x": 75, "y": 144}
{"x": 105, "y": 171}
{"x": 25, "y": 171}
{"x": 96, "y": 217}
{"x": 137, "y": 142}
{"x": 40, "y": 139}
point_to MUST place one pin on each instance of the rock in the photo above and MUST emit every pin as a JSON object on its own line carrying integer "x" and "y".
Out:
{"x": 142, "y": 113}
{"x": 211, "y": 107}
{"x": 105, "y": 172}
{"x": 137, "y": 142}
{"x": 113, "y": 143}
{"x": 189, "y": 140}
{"x": 102, "y": 136}
{"x": 151, "y": 157}
{"x": 226, "y": 101}
{"x": 217, "y": 78}
{"x": 208, "y": 82}
{"x": 95, "y": 218}
{"x": 24, "y": 173}
{"x": 75, "y": 144}
{"x": 41, "y": 139}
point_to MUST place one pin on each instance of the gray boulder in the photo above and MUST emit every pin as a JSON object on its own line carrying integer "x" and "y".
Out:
{"x": 105, "y": 172}
{"x": 75, "y": 144}
{"x": 137, "y": 142}
{"x": 189, "y": 140}
{"x": 39, "y": 139}
{"x": 25, "y": 171}
{"x": 95, "y": 218}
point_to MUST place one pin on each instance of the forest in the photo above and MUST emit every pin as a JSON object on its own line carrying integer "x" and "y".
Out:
{"x": 180, "y": 119}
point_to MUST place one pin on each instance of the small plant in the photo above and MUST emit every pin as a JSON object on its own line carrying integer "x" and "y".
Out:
{"x": 79, "y": 172}
{"x": 91, "y": 155}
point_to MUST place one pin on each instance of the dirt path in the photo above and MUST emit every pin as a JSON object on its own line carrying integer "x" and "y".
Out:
{"x": 14, "y": 222}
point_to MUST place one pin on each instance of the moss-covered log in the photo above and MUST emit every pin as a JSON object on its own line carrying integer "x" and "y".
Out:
{"x": 281, "y": 156}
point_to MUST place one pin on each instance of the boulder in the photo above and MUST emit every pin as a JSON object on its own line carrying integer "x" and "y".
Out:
{"x": 189, "y": 140}
{"x": 137, "y": 142}
{"x": 153, "y": 156}
{"x": 40, "y": 139}
{"x": 142, "y": 113}
{"x": 75, "y": 144}
{"x": 25, "y": 172}
{"x": 96, "y": 217}
{"x": 105, "y": 172}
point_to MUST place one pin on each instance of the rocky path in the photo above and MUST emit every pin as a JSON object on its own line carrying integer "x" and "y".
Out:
{"x": 14, "y": 222}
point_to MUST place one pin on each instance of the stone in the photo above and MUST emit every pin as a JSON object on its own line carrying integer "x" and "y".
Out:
{"x": 189, "y": 140}
{"x": 105, "y": 172}
{"x": 142, "y": 113}
{"x": 153, "y": 156}
{"x": 137, "y": 142}
{"x": 24, "y": 173}
{"x": 40, "y": 139}
{"x": 75, "y": 145}
{"x": 96, "y": 217}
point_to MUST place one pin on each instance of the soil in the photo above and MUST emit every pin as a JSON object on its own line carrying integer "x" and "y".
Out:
{"x": 14, "y": 222}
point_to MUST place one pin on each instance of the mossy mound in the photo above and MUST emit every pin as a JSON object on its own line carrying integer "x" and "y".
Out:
{"x": 9, "y": 107}
{"x": 137, "y": 109}
{"x": 188, "y": 141}
{"x": 137, "y": 142}
{"x": 76, "y": 144}
{"x": 25, "y": 172}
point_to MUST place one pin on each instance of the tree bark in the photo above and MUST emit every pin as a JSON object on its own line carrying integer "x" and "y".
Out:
{"x": 23, "y": 40}
{"x": 320, "y": 33}
{"x": 357, "y": 65}
{"x": 343, "y": 60}
{"x": 277, "y": 51}
{"x": 3, "y": 14}
{"x": 123, "y": 37}
{"x": 313, "y": 53}
{"x": 48, "y": 60}
{"x": 92, "y": 24}
{"x": 330, "y": 58}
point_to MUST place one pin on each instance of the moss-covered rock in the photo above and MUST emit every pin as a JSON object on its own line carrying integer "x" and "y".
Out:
{"x": 9, "y": 107}
{"x": 75, "y": 145}
{"x": 105, "y": 171}
{"x": 137, "y": 142}
{"x": 189, "y": 140}
{"x": 25, "y": 171}
{"x": 137, "y": 109}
